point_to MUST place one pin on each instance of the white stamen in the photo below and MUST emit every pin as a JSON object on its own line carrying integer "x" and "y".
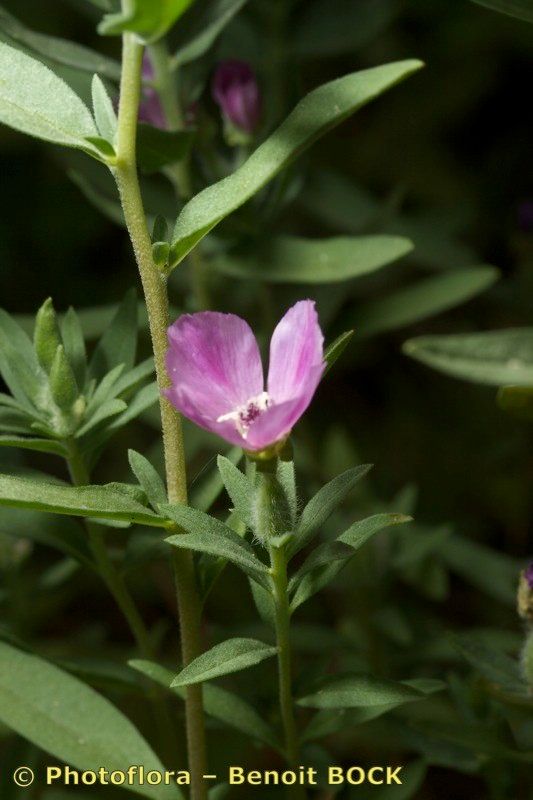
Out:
{"x": 244, "y": 416}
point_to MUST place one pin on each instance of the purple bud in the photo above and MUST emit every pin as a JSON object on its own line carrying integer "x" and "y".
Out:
{"x": 150, "y": 108}
{"x": 528, "y": 575}
{"x": 235, "y": 90}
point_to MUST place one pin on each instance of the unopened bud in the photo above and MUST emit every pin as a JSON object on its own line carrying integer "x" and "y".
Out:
{"x": 63, "y": 386}
{"x": 270, "y": 512}
{"x": 46, "y": 336}
{"x": 525, "y": 594}
{"x": 236, "y": 92}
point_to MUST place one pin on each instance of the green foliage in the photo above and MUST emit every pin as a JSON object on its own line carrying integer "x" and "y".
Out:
{"x": 219, "y": 703}
{"x": 198, "y": 31}
{"x": 317, "y": 113}
{"x": 35, "y": 101}
{"x": 423, "y": 299}
{"x": 147, "y": 19}
{"x": 290, "y": 259}
{"x": 232, "y": 655}
{"x": 84, "y": 501}
{"x": 495, "y": 358}
{"x": 336, "y": 348}
{"x": 359, "y": 691}
{"x": 148, "y": 477}
{"x": 68, "y": 719}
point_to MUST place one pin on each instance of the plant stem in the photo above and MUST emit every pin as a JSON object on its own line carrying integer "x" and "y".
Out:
{"x": 155, "y": 292}
{"x": 267, "y": 515}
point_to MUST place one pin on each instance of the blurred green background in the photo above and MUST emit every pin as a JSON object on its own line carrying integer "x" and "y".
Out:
{"x": 445, "y": 159}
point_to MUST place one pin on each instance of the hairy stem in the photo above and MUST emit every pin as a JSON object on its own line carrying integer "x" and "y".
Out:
{"x": 155, "y": 292}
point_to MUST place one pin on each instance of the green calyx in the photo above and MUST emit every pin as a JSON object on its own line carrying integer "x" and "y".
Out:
{"x": 46, "y": 336}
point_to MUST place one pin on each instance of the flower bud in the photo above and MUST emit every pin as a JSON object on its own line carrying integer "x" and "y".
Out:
{"x": 525, "y": 594}
{"x": 150, "y": 107}
{"x": 46, "y": 336}
{"x": 236, "y": 92}
{"x": 63, "y": 386}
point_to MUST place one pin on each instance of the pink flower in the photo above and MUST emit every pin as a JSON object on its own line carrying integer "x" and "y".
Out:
{"x": 235, "y": 90}
{"x": 217, "y": 378}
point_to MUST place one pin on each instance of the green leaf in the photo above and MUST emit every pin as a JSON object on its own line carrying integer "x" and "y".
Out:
{"x": 209, "y": 535}
{"x": 521, "y": 9}
{"x": 118, "y": 344}
{"x": 200, "y": 27}
{"x": 207, "y": 491}
{"x": 239, "y": 489}
{"x": 18, "y": 363}
{"x": 35, "y": 101}
{"x": 336, "y": 348}
{"x": 320, "y": 110}
{"x": 60, "y": 51}
{"x": 423, "y": 299}
{"x": 326, "y": 561}
{"x": 83, "y": 501}
{"x": 68, "y": 719}
{"x": 147, "y": 19}
{"x": 495, "y": 358}
{"x": 40, "y": 445}
{"x": 104, "y": 113}
{"x": 291, "y": 259}
{"x": 111, "y": 408}
{"x": 233, "y": 655}
{"x": 359, "y": 691}
{"x": 157, "y": 147}
{"x": 497, "y": 667}
{"x": 225, "y": 706}
{"x": 148, "y": 478}
{"x": 319, "y": 508}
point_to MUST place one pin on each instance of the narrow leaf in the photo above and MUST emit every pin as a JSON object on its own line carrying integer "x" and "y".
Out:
{"x": 319, "y": 508}
{"x": 291, "y": 259}
{"x": 521, "y": 9}
{"x": 232, "y": 655}
{"x": 496, "y": 358}
{"x": 239, "y": 489}
{"x": 359, "y": 691}
{"x": 148, "y": 478}
{"x": 28, "y": 443}
{"x": 104, "y": 113}
{"x": 336, "y": 348}
{"x": 83, "y": 501}
{"x": 35, "y": 101}
{"x": 424, "y": 299}
{"x": 200, "y": 27}
{"x": 65, "y": 717}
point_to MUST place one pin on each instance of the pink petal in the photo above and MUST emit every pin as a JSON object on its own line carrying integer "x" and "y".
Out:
{"x": 214, "y": 365}
{"x": 296, "y": 355}
{"x": 277, "y": 421}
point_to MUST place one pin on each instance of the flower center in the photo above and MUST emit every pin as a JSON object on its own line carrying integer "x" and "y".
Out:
{"x": 244, "y": 416}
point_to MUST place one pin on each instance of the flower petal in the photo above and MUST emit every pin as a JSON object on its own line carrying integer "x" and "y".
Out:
{"x": 296, "y": 355}
{"x": 214, "y": 365}
{"x": 277, "y": 422}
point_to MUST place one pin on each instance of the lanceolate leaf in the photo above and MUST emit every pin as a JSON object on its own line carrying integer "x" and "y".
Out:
{"x": 291, "y": 259}
{"x": 225, "y": 706}
{"x": 40, "y": 445}
{"x": 83, "y": 501}
{"x": 323, "y": 504}
{"x": 35, "y": 101}
{"x": 495, "y": 358}
{"x": 319, "y": 111}
{"x": 239, "y": 489}
{"x": 68, "y": 719}
{"x": 230, "y": 656}
{"x": 208, "y": 535}
{"x": 359, "y": 691}
{"x": 336, "y": 348}
{"x": 421, "y": 300}
{"x": 148, "y": 477}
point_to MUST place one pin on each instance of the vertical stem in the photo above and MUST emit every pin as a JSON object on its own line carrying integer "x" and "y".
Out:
{"x": 155, "y": 292}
